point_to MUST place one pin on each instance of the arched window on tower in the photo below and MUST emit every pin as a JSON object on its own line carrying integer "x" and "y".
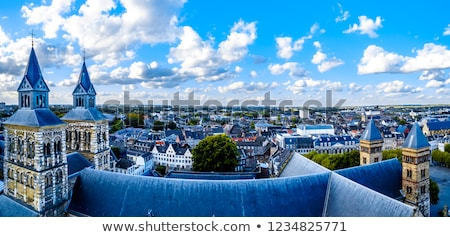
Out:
{"x": 47, "y": 149}
{"x": 48, "y": 180}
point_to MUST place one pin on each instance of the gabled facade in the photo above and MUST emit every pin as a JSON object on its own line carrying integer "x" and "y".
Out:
{"x": 371, "y": 144}
{"x": 35, "y": 165}
{"x": 173, "y": 156}
{"x": 416, "y": 170}
{"x": 88, "y": 129}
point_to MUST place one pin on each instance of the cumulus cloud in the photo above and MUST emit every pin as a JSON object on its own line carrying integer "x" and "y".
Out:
{"x": 233, "y": 86}
{"x": 286, "y": 47}
{"x": 396, "y": 88}
{"x": 294, "y": 69}
{"x": 344, "y": 14}
{"x": 253, "y": 74}
{"x": 300, "y": 86}
{"x": 246, "y": 87}
{"x": 366, "y": 26}
{"x": 108, "y": 28}
{"x": 447, "y": 30}
{"x": 321, "y": 60}
{"x": 200, "y": 60}
{"x": 376, "y": 60}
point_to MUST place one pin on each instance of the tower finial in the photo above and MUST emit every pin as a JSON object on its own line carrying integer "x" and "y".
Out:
{"x": 32, "y": 38}
{"x": 84, "y": 55}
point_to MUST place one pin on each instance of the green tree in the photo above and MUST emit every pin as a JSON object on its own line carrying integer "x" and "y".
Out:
{"x": 447, "y": 148}
{"x": 135, "y": 120}
{"x": 171, "y": 125}
{"x": 215, "y": 153}
{"x": 158, "y": 125}
{"x": 434, "y": 192}
{"x": 389, "y": 154}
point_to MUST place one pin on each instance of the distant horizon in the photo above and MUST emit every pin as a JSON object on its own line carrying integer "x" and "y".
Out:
{"x": 365, "y": 52}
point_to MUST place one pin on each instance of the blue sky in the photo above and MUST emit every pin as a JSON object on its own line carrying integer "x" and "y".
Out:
{"x": 368, "y": 53}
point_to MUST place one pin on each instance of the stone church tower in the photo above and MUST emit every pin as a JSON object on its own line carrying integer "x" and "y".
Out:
{"x": 416, "y": 170}
{"x": 88, "y": 129}
{"x": 35, "y": 165}
{"x": 371, "y": 143}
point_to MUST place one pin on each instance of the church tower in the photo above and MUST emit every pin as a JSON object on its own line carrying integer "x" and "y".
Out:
{"x": 416, "y": 170}
{"x": 371, "y": 143}
{"x": 35, "y": 163}
{"x": 88, "y": 129}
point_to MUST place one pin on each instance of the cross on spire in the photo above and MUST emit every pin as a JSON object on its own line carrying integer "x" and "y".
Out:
{"x": 32, "y": 38}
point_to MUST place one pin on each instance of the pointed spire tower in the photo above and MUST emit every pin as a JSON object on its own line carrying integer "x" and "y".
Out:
{"x": 371, "y": 143}
{"x": 416, "y": 170}
{"x": 88, "y": 129}
{"x": 35, "y": 167}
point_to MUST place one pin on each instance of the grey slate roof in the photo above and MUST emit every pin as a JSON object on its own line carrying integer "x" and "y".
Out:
{"x": 82, "y": 114}
{"x": 129, "y": 195}
{"x": 371, "y": 133}
{"x": 11, "y": 208}
{"x": 34, "y": 118}
{"x": 416, "y": 139}
{"x": 77, "y": 162}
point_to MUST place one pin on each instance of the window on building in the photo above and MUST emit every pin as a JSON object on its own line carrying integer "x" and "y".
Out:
{"x": 364, "y": 160}
{"x": 408, "y": 173}
{"x": 408, "y": 190}
{"x": 422, "y": 173}
{"x": 422, "y": 189}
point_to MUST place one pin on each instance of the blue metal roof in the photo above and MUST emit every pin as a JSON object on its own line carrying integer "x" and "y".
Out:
{"x": 77, "y": 162}
{"x": 34, "y": 118}
{"x": 82, "y": 114}
{"x": 346, "y": 198}
{"x": 299, "y": 165}
{"x": 11, "y": 208}
{"x": 129, "y": 195}
{"x": 33, "y": 73}
{"x": 384, "y": 177}
{"x": 438, "y": 125}
{"x": 416, "y": 139}
{"x": 371, "y": 133}
{"x": 85, "y": 80}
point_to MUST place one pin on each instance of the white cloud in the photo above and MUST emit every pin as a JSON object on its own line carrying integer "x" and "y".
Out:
{"x": 49, "y": 16}
{"x": 201, "y": 61}
{"x": 320, "y": 59}
{"x": 366, "y": 26}
{"x": 238, "y": 69}
{"x": 232, "y": 87}
{"x": 397, "y": 87}
{"x": 376, "y": 60}
{"x": 447, "y": 30}
{"x": 438, "y": 75}
{"x": 344, "y": 14}
{"x": 285, "y": 47}
{"x": 434, "y": 84}
{"x": 234, "y": 48}
{"x": 300, "y": 86}
{"x": 253, "y": 74}
{"x": 294, "y": 69}
{"x": 109, "y": 29}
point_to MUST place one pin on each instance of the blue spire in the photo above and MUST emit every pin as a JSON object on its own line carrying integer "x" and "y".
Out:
{"x": 416, "y": 139}
{"x": 85, "y": 81}
{"x": 371, "y": 133}
{"x": 33, "y": 75}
